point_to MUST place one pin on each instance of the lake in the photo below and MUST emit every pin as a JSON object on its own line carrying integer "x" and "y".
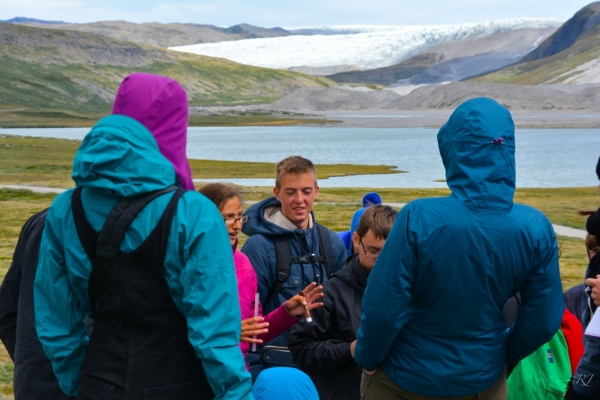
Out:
{"x": 545, "y": 157}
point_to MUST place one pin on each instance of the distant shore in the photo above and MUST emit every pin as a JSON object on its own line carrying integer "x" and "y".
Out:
{"x": 386, "y": 118}
{"x": 263, "y": 115}
{"x": 436, "y": 118}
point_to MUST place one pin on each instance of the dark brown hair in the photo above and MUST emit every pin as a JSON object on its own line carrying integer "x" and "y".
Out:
{"x": 219, "y": 193}
{"x": 591, "y": 243}
{"x": 379, "y": 219}
{"x": 294, "y": 165}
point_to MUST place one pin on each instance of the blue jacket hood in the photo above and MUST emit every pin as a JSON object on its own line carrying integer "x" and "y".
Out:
{"x": 284, "y": 383}
{"x": 121, "y": 155}
{"x": 477, "y": 146}
{"x": 258, "y": 224}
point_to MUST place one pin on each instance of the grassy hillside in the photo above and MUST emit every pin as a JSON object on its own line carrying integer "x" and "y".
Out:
{"x": 557, "y": 57}
{"x": 50, "y": 73}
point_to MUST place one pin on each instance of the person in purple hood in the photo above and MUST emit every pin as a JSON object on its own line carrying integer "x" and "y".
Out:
{"x": 160, "y": 104}
{"x": 149, "y": 261}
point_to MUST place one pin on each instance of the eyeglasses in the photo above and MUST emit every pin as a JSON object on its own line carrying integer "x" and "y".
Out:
{"x": 369, "y": 253}
{"x": 232, "y": 219}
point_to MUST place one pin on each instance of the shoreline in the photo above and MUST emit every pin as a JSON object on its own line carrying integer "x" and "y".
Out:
{"x": 524, "y": 119}
{"x": 264, "y": 115}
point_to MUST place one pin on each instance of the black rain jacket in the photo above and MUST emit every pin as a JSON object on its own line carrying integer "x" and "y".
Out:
{"x": 321, "y": 348}
{"x": 33, "y": 376}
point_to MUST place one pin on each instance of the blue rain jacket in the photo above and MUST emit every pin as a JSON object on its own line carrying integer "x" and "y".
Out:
{"x": 260, "y": 249}
{"x": 432, "y": 310}
{"x": 120, "y": 158}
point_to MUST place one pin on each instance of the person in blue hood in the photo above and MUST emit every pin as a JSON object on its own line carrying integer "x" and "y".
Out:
{"x": 432, "y": 323}
{"x": 167, "y": 319}
{"x": 288, "y": 218}
{"x": 284, "y": 383}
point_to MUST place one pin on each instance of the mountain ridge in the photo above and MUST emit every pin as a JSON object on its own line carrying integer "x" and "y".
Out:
{"x": 163, "y": 35}
{"x": 79, "y": 72}
{"x": 571, "y": 55}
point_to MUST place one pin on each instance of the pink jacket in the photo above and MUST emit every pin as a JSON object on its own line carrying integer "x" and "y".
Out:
{"x": 280, "y": 320}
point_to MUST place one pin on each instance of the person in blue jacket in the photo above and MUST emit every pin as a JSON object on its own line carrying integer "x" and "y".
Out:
{"x": 432, "y": 321}
{"x": 368, "y": 200}
{"x": 167, "y": 320}
{"x": 289, "y": 216}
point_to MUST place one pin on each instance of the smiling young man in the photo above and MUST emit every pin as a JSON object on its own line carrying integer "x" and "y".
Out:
{"x": 287, "y": 248}
{"x": 324, "y": 347}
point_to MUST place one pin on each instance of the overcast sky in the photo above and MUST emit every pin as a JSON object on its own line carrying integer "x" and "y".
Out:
{"x": 290, "y": 14}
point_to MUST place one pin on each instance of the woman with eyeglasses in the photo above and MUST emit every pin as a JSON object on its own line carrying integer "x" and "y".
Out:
{"x": 258, "y": 329}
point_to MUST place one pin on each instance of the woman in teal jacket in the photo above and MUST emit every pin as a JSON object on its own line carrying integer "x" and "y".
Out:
{"x": 120, "y": 158}
{"x": 432, "y": 310}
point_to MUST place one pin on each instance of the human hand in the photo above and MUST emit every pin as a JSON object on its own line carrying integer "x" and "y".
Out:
{"x": 594, "y": 283}
{"x": 312, "y": 292}
{"x": 352, "y": 346}
{"x": 251, "y": 327}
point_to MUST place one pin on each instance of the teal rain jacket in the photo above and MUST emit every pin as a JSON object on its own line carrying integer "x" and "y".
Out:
{"x": 432, "y": 310}
{"x": 120, "y": 158}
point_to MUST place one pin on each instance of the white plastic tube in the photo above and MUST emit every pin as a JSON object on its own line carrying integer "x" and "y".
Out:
{"x": 256, "y": 303}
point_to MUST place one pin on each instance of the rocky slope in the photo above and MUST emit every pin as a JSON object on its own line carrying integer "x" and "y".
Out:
{"x": 342, "y": 98}
{"x": 569, "y": 33}
{"x": 570, "y": 55}
{"x": 443, "y": 97}
{"x": 514, "y": 97}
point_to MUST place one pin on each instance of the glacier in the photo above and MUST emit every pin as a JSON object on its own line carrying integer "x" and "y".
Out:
{"x": 366, "y": 46}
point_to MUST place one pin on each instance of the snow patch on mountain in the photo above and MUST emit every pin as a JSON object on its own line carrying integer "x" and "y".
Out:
{"x": 362, "y": 45}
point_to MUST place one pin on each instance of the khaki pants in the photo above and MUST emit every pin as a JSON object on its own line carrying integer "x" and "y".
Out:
{"x": 379, "y": 387}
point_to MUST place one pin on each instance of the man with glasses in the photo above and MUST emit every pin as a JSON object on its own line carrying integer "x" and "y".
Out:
{"x": 325, "y": 347}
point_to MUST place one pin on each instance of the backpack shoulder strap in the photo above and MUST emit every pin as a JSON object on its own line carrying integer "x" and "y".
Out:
{"x": 111, "y": 236}
{"x": 282, "y": 265}
{"x": 325, "y": 246}
{"x": 87, "y": 235}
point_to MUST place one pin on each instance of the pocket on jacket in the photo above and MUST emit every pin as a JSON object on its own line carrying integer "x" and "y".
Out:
{"x": 94, "y": 389}
{"x": 293, "y": 282}
{"x": 188, "y": 390}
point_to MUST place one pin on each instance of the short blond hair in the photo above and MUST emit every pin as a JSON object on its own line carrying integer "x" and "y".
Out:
{"x": 294, "y": 165}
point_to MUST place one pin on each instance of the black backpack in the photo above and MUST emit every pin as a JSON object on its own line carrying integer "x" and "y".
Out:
{"x": 284, "y": 259}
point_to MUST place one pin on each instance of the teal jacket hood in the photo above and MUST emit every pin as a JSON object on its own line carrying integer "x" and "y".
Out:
{"x": 477, "y": 146}
{"x": 119, "y": 154}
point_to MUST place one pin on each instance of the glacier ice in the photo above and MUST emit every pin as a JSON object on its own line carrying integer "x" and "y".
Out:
{"x": 367, "y": 46}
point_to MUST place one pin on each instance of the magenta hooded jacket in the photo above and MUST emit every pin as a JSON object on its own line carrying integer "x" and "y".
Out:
{"x": 160, "y": 104}
{"x": 280, "y": 320}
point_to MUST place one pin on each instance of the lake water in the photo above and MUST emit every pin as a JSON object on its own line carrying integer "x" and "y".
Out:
{"x": 545, "y": 157}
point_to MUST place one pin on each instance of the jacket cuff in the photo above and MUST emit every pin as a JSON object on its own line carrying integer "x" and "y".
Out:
{"x": 289, "y": 317}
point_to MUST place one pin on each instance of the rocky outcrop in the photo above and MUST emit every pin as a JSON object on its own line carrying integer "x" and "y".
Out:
{"x": 583, "y": 21}
{"x": 514, "y": 97}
